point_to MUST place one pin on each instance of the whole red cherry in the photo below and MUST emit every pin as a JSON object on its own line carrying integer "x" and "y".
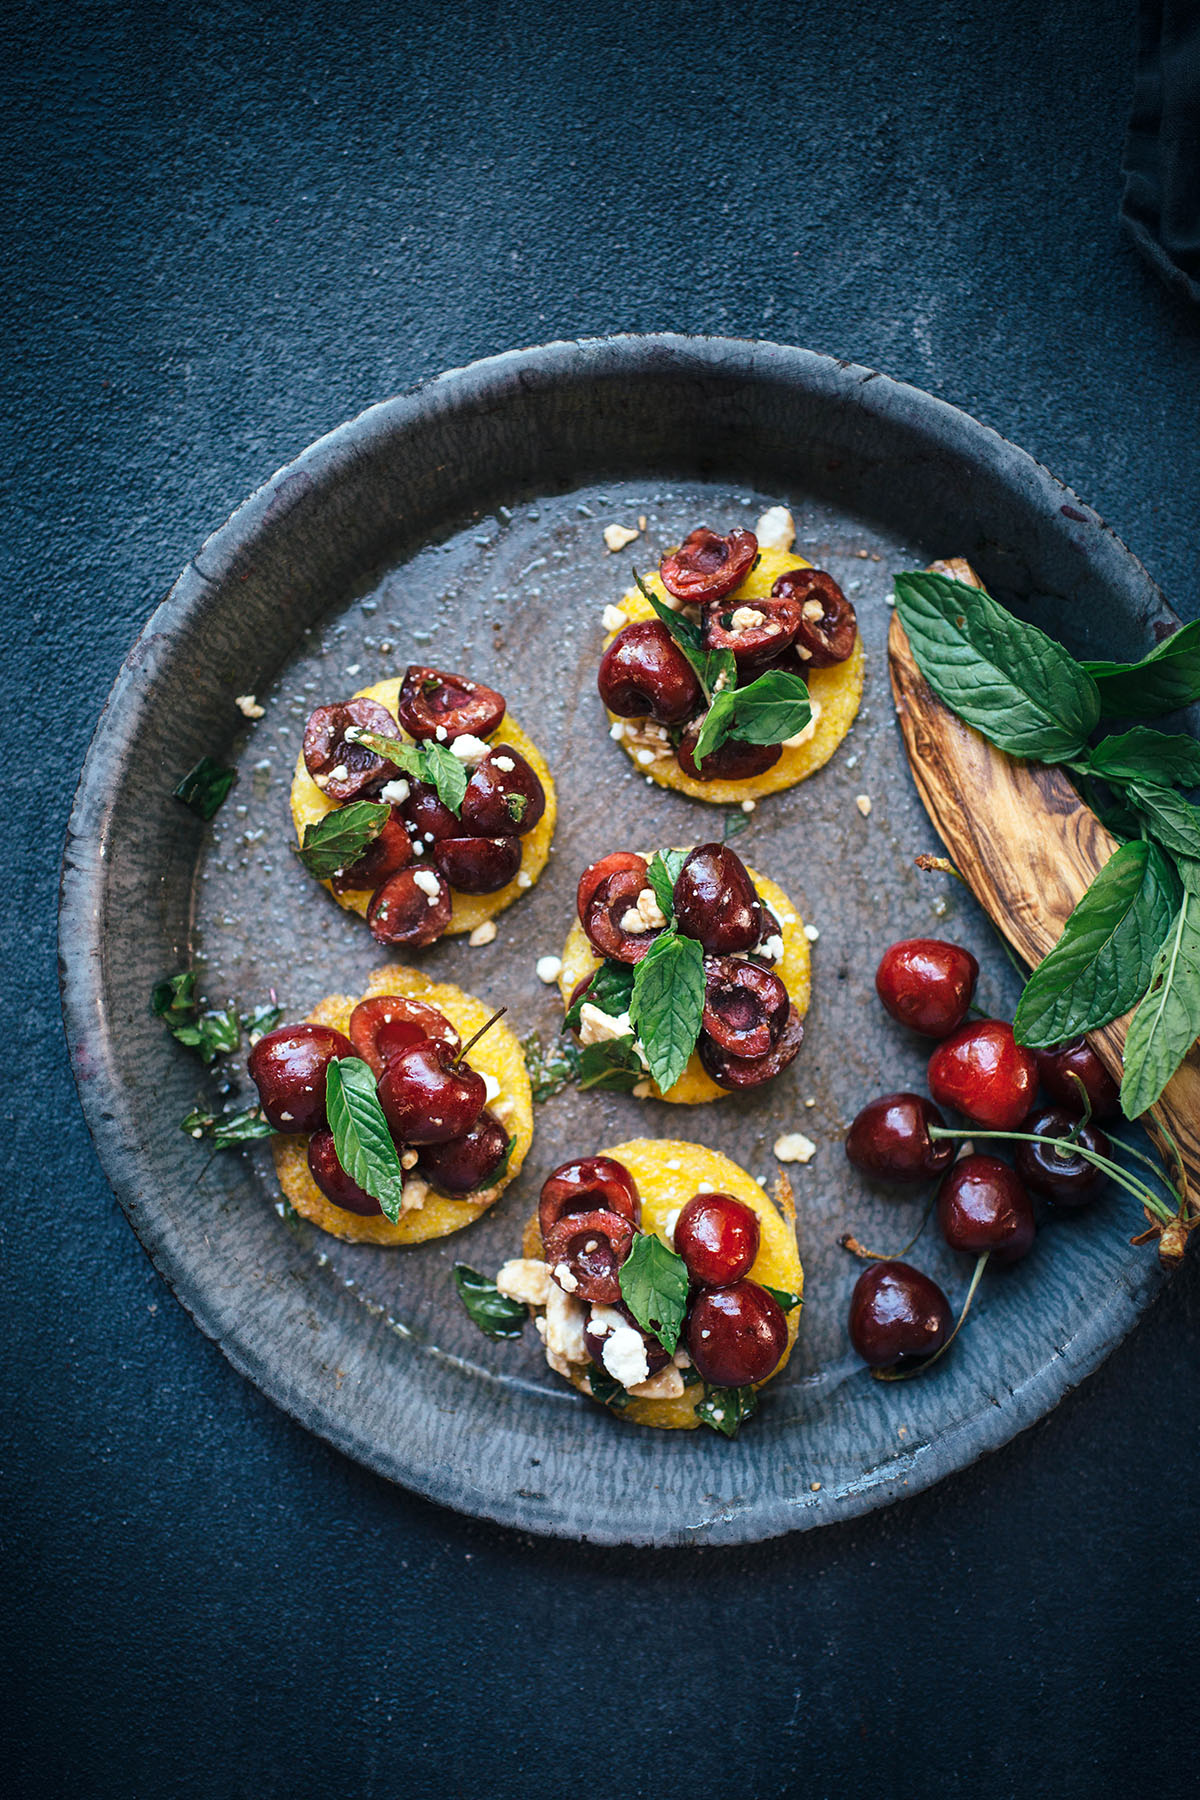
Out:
{"x": 288, "y": 1067}
{"x": 463, "y": 1165}
{"x": 433, "y": 702}
{"x": 588, "y": 1249}
{"x": 890, "y": 1139}
{"x": 898, "y": 1316}
{"x": 644, "y": 674}
{"x": 1062, "y": 1175}
{"x": 927, "y": 984}
{"x": 717, "y": 1237}
{"x": 983, "y": 1205}
{"x": 986, "y": 1074}
{"x": 589, "y": 1184}
{"x": 403, "y": 911}
{"x": 427, "y": 1096}
{"x": 736, "y": 1335}
{"x": 707, "y": 566}
{"x": 716, "y": 901}
{"x": 382, "y": 1026}
{"x": 332, "y": 1179}
{"x": 1064, "y": 1068}
{"x": 429, "y": 817}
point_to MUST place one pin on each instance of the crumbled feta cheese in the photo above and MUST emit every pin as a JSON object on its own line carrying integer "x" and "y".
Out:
{"x": 704, "y": 1187}
{"x": 612, "y": 618}
{"x": 549, "y": 968}
{"x": 811, "y": 1101}
{"x": 482, "y": 934}
{"x": 338, "y": 774}
{"x": 248, "y": 706}
{"x": 395, "y": 793}
{"x": 863, "y": 803}
{"x": 409, "y": 1159}
{"x": 565, "y": 1279}
{"x": 441, "y": 734}
{"x": 428, "y": 882}
{"x": 565, "y": 1320}
{"x": 597, "y": 1027}
{"x": 505, "y": 764}
{"x": 794, "y": 1147}
{"x": 771, "y": 948}
{"x": 645, "y": 757}
{"x": 802, "y": 737}
{"x": 812, "y": 933}
{"x": 813, "y": 610}
{"x": 197, "y": 1131}
{"x": 641, "y": 1090}
{"x": 616, "y": 730}
{"x": 286, "y": 1117}
{"x": 624, "y": 1349}
{"x": 674, "y": 1163}
{"x": 617, "y": 536}
{"x": 745, "y": 618}
{"x": 524, "y": 879}
{"x": 468, "y": 749}
{"x": 668, "y": 1384}
{"x": 525, "y": 1278}
{"x": 669, "y": 1224}
{"x": 415, "y": 1194}
{"x": 644, "y": 915}
{"x": 681, "y": 1359}
{"x": 749, "y": 805}
{"x": 776, "y": 530}
{"x": 491, "y": 1087}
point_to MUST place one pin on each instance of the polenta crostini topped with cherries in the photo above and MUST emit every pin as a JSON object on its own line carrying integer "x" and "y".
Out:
{"x": 421, "y": 804}
{"x": 662, "y": 1282}
{"x": 686, "y": 975}
{"x": 734, "y": 671}
{"x": 402, "y": 1115}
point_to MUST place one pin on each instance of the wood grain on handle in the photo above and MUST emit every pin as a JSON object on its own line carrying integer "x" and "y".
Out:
{"x": 1028, "y": 848}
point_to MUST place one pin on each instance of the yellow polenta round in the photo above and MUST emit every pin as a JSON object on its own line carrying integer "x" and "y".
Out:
{"x": 836, "y": 690}
{"x": 469, "y": 910}
{"x": 668, "y": 1172}
{"x": 497, "y": 1054}
{"x": 695, "y": 1085}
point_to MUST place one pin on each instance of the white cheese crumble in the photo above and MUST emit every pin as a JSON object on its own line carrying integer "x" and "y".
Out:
{"x": 408, "y": 1159}
{"x": 776, "y": 530}
{"x": 441, "y": 734}
{"x": 645, "y": 914}
{"x": 612, "y": 618}
{"x": 616, "y": 730}
{"x": 428, "y": 883}
{"x": 395, "y": 793}
{"x": 772, "y": 948}
{"x": 524, "y": 879}
{"x": 863, "y": 803}
{"x": 802, "y": 737}
{"x": 491, "y": 1087}
{"x": 812, "y": 933}
{"x": 668, "y": 1384}
{"x": 549, "y": 968}
{"x": 624, "y": 1349}
{"x": 505, "y": 764}
{"x": 338, "y": 774}
{"x": 525, "y": 1278}
{"x": 468, "y": 749}
{"x": 617, "y": 536}
{"x": 564, "y": 1278}
{"x": 794, "y": 1147}
{"x": 248, "y": 706}
{"x": 482, "y": 934}
{"x": 415, "y": 1194}
{"x": 597, "y": 1027}
{"x": 745, "y": 618}
{"x": 562, "y": 1330}
{"x": 669, "y": 1224}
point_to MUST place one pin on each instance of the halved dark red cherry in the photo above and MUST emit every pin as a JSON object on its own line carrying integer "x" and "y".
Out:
{"x": 1062, "y": 1175}
{"x": 332, "y": 1179}
{"x": 595, "y": 873}
{"x": 828, "y": 626}
{"x": 707, "y": 566}
{"x": 716, "y": 902}
{"x": 427, "y": 1096}
{"x": 756, "y": 631}
{"x": 611, "y": 903}
{"x": 927, "y": 984}
{"x": 429, "y": 817}
{"x": 433, "y": 701}
{"x": 504, "y": 797}
{"x": 389, "y": 1023}
{"x": 404, "y": 911}
{"x": 898, "y": 1315}
{"x": 590, "y": 1184}
{"x": 985, "y": 1073}
{"x": 1064, "y": 1068}
{"x": 736, "y": 1335}
{"x": 644, "y": 673}
{"x": 343, "y": 769}
{"x": 591, "y": 1247}
{"x": 288, "y": 1068}
{"x": 717, "y": 1237}
{"x": 465, "y": 1164}
{"x": 740, "y": 1073}
{"x": 478, "y": 865}
{"x": 391, "y": 851}
{"x": 890, "y": 1139}
{"x": 983, "y": 1205}
{"x": 597, "y": 1332}
{"x": 730, "y": 761}
{"x": 745, "y": 1006}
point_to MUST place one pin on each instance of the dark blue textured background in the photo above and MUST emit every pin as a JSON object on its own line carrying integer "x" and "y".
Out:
{"x": 227, "y": 232}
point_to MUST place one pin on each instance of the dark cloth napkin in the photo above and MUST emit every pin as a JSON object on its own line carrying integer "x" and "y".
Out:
{"x": 1161, "y": 203}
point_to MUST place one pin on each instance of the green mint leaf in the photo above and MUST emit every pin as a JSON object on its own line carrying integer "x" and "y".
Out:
{"x": 1101, "y": 963}
{"x": 668, "y": 1004}
{"x": 205, "y": 787}
{"x": 767, "y": 711}
{"x": 430, "y": 762}
{"x": 495, "y": 1314}
{"x": 663, "y": 874}
{"x": 709, "y": 666}
{"x": 734, "y": 825}
{"x": 517, "y": 805}
{"x": 224, "y": 1130}
{"x": 611, "y": 989}
{"x": 1173, "y": 820}
{"x": 218, "y": 1034}
{"x": 654, "y": 1285}
{"x": 263, "y": 1019}
{"x": 1167, "y": 1023}
{"x": 786, "y": 1299}
{"x": 360, "y": 1133}
{"x": 335, "y": 842}
{"x": 174, "y": 999}
{"x": 1161, "y": 683}
{"x": 1143, "y": 754}
{"x": 214, "y": 1033}
{"x": 611, "y": 1065}
{"x": 606, "y": 1388}
{"x": 1006, "y": 678}
{"x": 549, "y": 1070}
{"x": 727, "y": 1409}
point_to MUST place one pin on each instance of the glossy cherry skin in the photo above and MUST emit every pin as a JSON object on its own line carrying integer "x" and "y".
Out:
{"x": 327, "y": 748}
{"x": 754, "y": 645}
{"x": 731, "y": 761}
{"x": 890, "y": 1139}
{"x": 716, "y": 902}
{"x": 927, "y": 984}
{"x": 986, "y": 1074}
{"x": 427, "y": 1097}
{"x": 401, "y": 912}
{"x": 390, "y": 852}
{"x": 644, "y": 673}
{"x": 897, "y": 1315}
{"x": 745, "y": 1006}
{"x": 717, "y": 1237}
{"x": 332, "y": 1179}
{"x": 656, "y": 1357}
{"x": 501, "y": 801}
{"x": 828, "y": 626}
{"x": 736, "y": 1335}
{"x": 610, "y": 901}
{"x": 707, "y": 566}
{"x": 1063, "y": 1068}
{"x": 1067, "y": 1180}
{"x": 983, "y": 1205}
{"x": 739, "y": 1073}
{"x": 590, "y": 1184}
{"x": 618, "y": 863}
{"x": 429, "y": 817}
{"x": 288, "y": 1068}
{"x": 591, "y": 1248}
{"x": 432, "y": 701}
{"x": 477, "y": 865}
{"x": 382, "y": 1027}
{"x": 465, "y": 1164}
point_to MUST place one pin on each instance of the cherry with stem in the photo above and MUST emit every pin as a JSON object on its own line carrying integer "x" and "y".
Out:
{"x": 920, "y": 1368}
{"x": 486, "y": 1026}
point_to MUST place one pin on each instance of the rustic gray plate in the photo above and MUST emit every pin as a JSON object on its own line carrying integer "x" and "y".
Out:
{"x": 461, "y": 524}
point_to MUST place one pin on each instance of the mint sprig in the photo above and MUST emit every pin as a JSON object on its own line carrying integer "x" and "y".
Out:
{"x": 727, "y": 1409}
{"x": 654, "y": 1286}
{"x": 1162, "y": 682}
{"x": 361, "y": 1137}
{"x": 662, "y": 875}
{"x": 225, "y": 1130}
{"x": 338, "y": 840}
{"x": 493, "y": 1312}
{"x": 667, "y": 1006}
{"x": 205, "y": 787}
{"x": 429, "y": 762}
{"x": 1167, "y": 1023}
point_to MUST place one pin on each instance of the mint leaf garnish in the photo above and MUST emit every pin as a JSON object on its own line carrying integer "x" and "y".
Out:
{"x": 224, "y": 1130}
{"x": 360, "y": 1133}
{"x": 663, "y": 874}
{"x": 766, "y": 711}
{"x": 263, "y": 1019}
{"x": 611, "y": 989}
{"x": 1143, "y": 754}
{"x": 549, "y": 1070}
{"x": 784, "y": 1296}
{"x": 668, "y": 1004}
{"x": 611, "y": 1064}
{"x": 335, "y": 842}
{"x": 213, "y": 1033}
{"x": 430, "y": 762}
{"x": 654, "y": 1285}
{"x": 1173, "y": 820}
{"x": 493, "y": 1312}
{"x": 727, "y": 1409}
{"x": 1167, "y": 1023}
{"x": 205, "y": 787}
{"x": 1160, "y": 683}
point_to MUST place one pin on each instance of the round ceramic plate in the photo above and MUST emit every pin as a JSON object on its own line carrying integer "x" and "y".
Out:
{"x": 462, "y": 525}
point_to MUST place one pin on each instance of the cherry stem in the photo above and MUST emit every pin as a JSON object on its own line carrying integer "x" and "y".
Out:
{"x": 920, "y": 1368}
{"x": 1121, "y": 1176}
{"x": 850, "y": 1243}
{"x": 472, "y": 1041}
